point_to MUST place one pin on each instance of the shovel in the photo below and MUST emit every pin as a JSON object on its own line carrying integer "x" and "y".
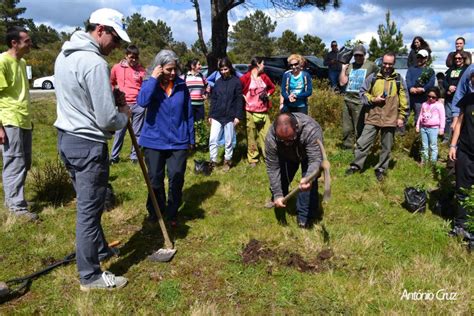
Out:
{"x": 325, "y": 165}
{"x": 163, "y": 254}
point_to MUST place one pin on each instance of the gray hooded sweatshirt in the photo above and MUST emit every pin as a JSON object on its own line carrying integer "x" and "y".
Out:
{"x": 85, "y": 102}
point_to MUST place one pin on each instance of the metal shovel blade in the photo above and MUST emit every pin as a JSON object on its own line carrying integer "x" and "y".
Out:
{"x": 162, "y": 255}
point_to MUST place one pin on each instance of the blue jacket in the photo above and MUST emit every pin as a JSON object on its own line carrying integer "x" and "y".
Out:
{"x": 307, "y": 91}
{"x": 464, "y": 87}
{"x": 169, "y": 122}
{"x": 413, "y": 73}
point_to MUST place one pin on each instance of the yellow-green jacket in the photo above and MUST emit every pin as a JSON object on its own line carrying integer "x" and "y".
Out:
{"x": 396, "y": 99}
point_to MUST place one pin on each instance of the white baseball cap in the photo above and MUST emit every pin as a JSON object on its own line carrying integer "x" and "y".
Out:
{"x": 112, "y": 18}
{"x": 423, "y": 53}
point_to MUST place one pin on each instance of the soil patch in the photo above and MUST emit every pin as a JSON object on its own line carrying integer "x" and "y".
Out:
{"x": 256, "y": 251}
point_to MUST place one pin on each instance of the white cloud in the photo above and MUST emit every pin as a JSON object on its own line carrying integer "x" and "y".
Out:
{"x": 420, "y": 26}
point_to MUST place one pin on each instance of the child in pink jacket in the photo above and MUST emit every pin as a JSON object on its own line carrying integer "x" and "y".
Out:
{"x": 431, "y": 124}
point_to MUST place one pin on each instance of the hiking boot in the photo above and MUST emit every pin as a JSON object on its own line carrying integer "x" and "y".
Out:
{"x": 108, "y": 281}
{"x": 352, "y": 169}
{"x": 31, "y": 217}
{"x": 111, "y": 252}
{"x": 379, "y": 174}
{"x": 227, "y": 165}
{"x": 114, "y": 161}
{"x": 212, "y": 165}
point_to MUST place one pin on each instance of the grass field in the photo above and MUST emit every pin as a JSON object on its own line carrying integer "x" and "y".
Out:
{"x": 377, "y": 252}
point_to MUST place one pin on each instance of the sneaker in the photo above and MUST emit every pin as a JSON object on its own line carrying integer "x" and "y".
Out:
{"x": 461, "y": 232}
{"x": 227, "y": 165}
{"x": 26, "y": 214}
{"x": 111, "y": 252}
{"x": 108, "y": 281}
{"x": 379, "y": 174}
{"x": 114, "y": 161}
{"x": 352, "y": 169}
{"x": 302, "y": 224}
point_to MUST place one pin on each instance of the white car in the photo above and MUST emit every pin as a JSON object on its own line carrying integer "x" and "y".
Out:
{"x": 46, "y": 83}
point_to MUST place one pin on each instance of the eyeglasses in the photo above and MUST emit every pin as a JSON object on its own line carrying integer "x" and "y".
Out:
{"x": 358, "y": 55}
{"x": 420, "y": 57}
{"x": 287, "y": 142}
{"x": 294, "y": 65}
{"x": 388, "y": 64}
{"x": 432, "y": 97}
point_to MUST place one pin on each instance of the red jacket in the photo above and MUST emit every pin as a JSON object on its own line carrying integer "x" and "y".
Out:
{"x": 128, "y": 79}
{"x": 245, "y": 81}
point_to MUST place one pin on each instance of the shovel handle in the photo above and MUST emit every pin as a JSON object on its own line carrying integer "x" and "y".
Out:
{"x": 327, "y": 178}
{"x": 168, "y": 243}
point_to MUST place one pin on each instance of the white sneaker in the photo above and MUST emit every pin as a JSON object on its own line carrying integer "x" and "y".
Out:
{"x": 108, "y": 281}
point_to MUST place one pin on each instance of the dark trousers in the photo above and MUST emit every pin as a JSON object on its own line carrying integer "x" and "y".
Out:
{"x": 307, "y": 202}
{"x": 366, "y": 141}
{"x": 88, "y": 165}
{"x": 292, "y": 109}
{"x": 464, "y": 180}
{"x": 198, "y": 113}
{"x": 175, "y": 162}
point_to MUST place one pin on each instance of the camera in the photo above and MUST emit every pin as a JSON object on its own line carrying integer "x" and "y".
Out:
{"x": 263, "y": 97}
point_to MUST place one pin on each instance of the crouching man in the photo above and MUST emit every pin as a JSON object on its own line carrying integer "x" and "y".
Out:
{"x": 86, "y": 115}
{"x": 291, "y": 142}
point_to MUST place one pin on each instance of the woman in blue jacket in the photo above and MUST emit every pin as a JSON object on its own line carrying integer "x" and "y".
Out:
{"x": 296, "y": 86}
{"x": 168, "y": 132}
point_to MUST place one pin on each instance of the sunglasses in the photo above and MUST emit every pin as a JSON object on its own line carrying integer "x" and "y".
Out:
{"x": 458, "y": 58}
{"x": 294, "y": 65}
{"x": 432, "y": 97}
{"x": 115, "y": 38}
{"x": 388, "y": 64}
{"x": 358, "y": 55}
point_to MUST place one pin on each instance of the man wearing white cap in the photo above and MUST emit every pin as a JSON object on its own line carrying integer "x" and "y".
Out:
{"x": 420, "y": 79}
{"x": 87, "y": 113}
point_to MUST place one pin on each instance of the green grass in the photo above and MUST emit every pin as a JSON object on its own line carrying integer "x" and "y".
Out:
{"x": 380, "y": 249}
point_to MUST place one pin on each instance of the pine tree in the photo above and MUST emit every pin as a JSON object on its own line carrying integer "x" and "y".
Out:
{"x": 251, "y": 37}
{"x": 390, "y": 40}
{"x": 9, "y": 17}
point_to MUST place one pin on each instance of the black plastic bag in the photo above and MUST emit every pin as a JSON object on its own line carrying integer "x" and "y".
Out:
{"x": 344, "y": 55}
{"x": 415, "y": 200}
{"x": 202, "y": 167}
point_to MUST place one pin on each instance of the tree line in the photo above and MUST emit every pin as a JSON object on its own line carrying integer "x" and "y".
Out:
{"x": 249, "y": 37}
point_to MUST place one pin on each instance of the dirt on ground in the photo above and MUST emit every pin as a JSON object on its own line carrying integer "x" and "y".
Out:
{"x": 256, "y": 251}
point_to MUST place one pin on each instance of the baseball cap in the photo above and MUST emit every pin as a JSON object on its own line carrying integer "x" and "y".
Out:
{"x": 359, "y": 49}
{"x": 423, "y": 53}
{"x": 112, "y": 18}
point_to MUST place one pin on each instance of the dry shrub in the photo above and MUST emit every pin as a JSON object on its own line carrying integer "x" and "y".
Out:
{"x": 51, "y": 183}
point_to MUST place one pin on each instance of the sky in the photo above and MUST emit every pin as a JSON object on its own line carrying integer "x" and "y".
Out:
{"x": 439, "y": 22}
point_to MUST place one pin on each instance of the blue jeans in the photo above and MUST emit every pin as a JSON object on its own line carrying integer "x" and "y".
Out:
{"x": 88, "y": 165}
{"x": 216, "y": 133}
{"x": 138, "y": 117}
{"x": 429, "y": 140}
{"x": 334, "y": 78}
{"x": 307, "y": 202}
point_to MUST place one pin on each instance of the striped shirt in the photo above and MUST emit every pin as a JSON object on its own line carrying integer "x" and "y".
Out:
{"x": 197, "y": 87}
